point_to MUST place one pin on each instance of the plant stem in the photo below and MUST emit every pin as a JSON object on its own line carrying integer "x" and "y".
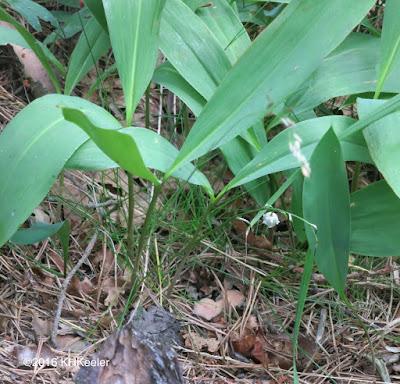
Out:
{"x": 60, "y": 192}
{"x": 143, "y": 234}
{"x": 356, "y": 175}
{"x": 188, "y": 248}
{"x": 131, "y": 213}
{"x": 186, "y": 123}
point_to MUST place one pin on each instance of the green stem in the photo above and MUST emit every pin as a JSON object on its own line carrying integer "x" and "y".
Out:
{"x": 356, "y": 175}
{"x": 60, "y": 192}
{"x": 143, "y": 235}
{"x": 131, "y": 213}
{"x": 186, "y": 123}
{"x": 188, "y": 248}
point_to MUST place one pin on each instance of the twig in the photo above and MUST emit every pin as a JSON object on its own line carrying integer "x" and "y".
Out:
{"x": 105, "y": 204}
{"x": 63, "y": 292}
{"x": 354, "y": 275}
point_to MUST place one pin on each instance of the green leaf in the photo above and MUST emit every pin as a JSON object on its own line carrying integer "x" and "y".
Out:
{"x": 166, "y": 75}
{"x": 223, "y": 22}
{"x": 375, "y": 218}
{"x": 192, "y": 48}
{"x": 92, "y": 44}
{"x": 238, "y": 153}
{"x": 276, "y": 155}
{"x": 12, "y": 36}
{"x": 326, "y": 203}
{"x": 75, "y": 24}
{"x": 134, "y": 30}
{"x": 349, "y": 69}
{"x": 157, "y": 153}
{"x": 37, "y": 232}
{"x": 32, "y": 155}
{"x": 33, "y": 44}
{"x": 97, "y": 9}
{"x": 383, "y": 140}
{"x": 32, "y": 11}
{"x": 390, "y": 47}
{"x": 118, "y": 146}
{"x": 272, "y": 68}
{"x": 390, "y": 106}
{"x": 297, "y": 207}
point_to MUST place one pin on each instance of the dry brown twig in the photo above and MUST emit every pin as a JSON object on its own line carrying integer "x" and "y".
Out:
{"x": 63, "y": 292}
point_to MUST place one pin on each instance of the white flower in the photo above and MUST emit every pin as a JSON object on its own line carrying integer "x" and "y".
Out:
{"x": 270, "y": 219}
{"x": 295, "y": 148}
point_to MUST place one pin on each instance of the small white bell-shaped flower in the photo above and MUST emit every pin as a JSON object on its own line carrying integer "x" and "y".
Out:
{"x": 270, "y": 219}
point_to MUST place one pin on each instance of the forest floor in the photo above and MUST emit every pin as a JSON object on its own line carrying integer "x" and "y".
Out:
{"x": 252, "y": 284}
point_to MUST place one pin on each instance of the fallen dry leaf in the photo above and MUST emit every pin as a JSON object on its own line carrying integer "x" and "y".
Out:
{"x": 234, "y": 297}
{"x": 80, "y": 288}
{"x": 240, "y": 228}
{"x": 26, "y": 355}
{"x": 195, "y": 341}
{"x": 40, "y": 82}
{"x": 272, "y": 349}
{"x": 208, "y": 308}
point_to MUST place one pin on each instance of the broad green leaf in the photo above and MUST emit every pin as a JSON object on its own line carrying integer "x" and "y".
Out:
{"x": 157, "y": 153}
{"x": 271, "y": 69}
{"x": 375, "y": 218}
{"x": 326, "y": 204}
{"x": 134, "y": 30}
{"x": 223, "y": 22}
{"x": 32, "y": 12}
{"x": 69, "y": 3}
{"x": 296, "y": 207}
{"x": 92, "y": 44}
{"x": 276, "y": 155}
{"x": 71, "y": 27}
{"x": 192, "y": 48}
{"x": 37, "y": 232}
{"x": 383, "y": 140}
{"x": 118, "y": 146}
{"x": 390, "y": 47}
{"x": 238, "y": 153}
{"x": 32, "y": 155}
{"x": 97, "y": 9}
{"x": 166, "y": 75}
{"x": 231, "y": 35}
{"x": 351, "y": 68}
{"x": 12, "y": 36}
{"x": 390, "y": 106}
{"x": 33, "y": 44}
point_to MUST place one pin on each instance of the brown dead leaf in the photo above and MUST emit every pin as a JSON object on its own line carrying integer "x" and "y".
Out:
{"x": 208, "y": 308}
{"x": 40, "y": 82}
{"x": 240, "y": 228}
{"x": 80, "y": 288}
{"x": 26, "y": 356}
{"x": 273, "y": 349}
{"x": 41, "y": 327}
{"x": 195, "y": 341}
{"x": 252, "y": 322}
{"x": 113, "y": 289}
{"x": 234, "y": 297}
